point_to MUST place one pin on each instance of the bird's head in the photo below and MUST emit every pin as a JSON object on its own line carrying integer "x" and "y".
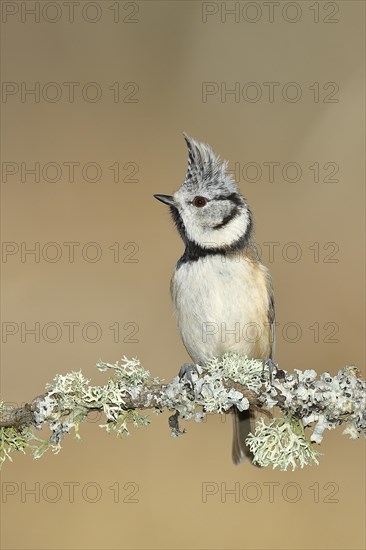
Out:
{"x": 208, "y": 209}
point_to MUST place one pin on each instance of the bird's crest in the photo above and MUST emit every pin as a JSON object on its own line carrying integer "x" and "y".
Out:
{"x": 203, "y": 165}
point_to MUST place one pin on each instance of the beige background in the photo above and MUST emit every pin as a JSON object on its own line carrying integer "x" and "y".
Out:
{"x": 169, "y": 52}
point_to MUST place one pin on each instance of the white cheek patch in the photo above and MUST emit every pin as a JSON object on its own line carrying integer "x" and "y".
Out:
{"x": 223, "y": 236}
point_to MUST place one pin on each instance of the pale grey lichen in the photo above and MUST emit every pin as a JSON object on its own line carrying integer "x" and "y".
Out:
{"x": 68, "y": 401}
{"x": 210, "y": 392}
{"x": 238, "y": 368}
{"x": 326, "y": 402}
{"x": 12, "y": 440}
{"x": 309, "y": 404}
{"x": 281, "y": 443}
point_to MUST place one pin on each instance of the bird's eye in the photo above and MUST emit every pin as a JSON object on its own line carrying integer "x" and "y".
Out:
{"x": 199, "y": 201}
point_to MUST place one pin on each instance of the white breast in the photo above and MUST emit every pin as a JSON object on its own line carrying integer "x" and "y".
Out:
{"x": 221, "y": 304}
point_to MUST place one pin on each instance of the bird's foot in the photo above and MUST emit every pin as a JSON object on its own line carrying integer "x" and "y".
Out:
{"x": 186, "y": 372}
{"x": 271, "y": 368}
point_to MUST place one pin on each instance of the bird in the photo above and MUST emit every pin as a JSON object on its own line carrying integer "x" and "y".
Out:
{"x": 222, "y": 293}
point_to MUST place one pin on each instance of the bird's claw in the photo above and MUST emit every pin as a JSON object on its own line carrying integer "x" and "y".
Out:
{"x": 271, "y": 367}
{"x": 186, "y": 372}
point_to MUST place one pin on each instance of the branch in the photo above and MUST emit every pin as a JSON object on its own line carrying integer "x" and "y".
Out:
{"x": 304, "y": 400}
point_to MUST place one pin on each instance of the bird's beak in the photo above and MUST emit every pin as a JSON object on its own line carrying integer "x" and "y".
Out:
{"x": 167, "y": 199}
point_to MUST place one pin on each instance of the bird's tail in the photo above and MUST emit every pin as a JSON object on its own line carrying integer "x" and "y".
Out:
{"x": 243, "y": 424}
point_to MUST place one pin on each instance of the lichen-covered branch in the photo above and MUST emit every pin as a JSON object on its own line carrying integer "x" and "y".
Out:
{"x": 306, "y": 402}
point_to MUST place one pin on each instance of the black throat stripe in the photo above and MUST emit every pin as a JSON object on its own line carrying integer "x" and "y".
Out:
{"x": 195, "y": 252}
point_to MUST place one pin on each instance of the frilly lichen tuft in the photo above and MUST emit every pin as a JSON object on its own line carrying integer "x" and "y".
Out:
{"x": 238, "y": 368}
{"x": 12, "y": 440}
{"x": 281, "y": 443}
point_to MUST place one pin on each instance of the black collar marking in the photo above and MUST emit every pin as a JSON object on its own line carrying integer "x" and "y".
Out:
{"x": 194, "y": 251}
